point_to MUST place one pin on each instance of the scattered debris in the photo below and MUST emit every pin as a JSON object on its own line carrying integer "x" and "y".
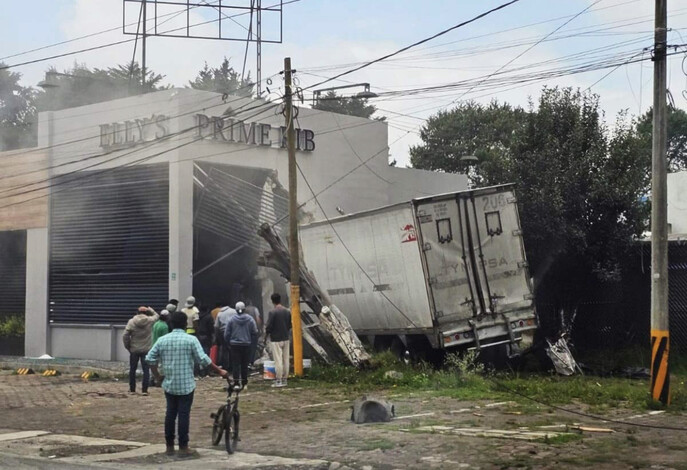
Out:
{"x": 521, "y": 434}
{"x": 590, "y": 429}
{"x": 372, "y": 410}
{"x": 562, "y": 358}
{"x": 332, "y": 336}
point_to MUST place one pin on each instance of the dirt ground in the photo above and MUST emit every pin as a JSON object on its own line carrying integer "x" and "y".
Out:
{"x": 303, "y": 421}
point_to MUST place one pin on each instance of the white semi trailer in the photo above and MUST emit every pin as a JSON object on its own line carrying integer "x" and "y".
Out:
{"x": 450, "y": 268}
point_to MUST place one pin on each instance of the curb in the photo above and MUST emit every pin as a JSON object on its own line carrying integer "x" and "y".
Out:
{"x": 63, "y": 368}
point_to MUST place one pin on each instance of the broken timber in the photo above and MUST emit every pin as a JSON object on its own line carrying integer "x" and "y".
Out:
{"x": 332, "y": 337}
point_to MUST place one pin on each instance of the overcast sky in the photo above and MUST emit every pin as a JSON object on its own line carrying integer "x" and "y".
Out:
{"x": 326, "y": 37}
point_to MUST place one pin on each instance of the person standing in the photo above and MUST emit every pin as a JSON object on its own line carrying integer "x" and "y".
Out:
{"x": 205, "y": 331}
{"x": 278, "y": 330}
{"x": 160, "y": 327}
{"x": 178, "y": 353}
{"x": 239, "y": 334}
{"x": 254, "y": 312}
{"x": 191, "y": 312}
{"x": 138, "y": 340}
{"x": 221, "y": 322}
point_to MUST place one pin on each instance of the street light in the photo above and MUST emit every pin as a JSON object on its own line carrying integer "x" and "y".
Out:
{"x": 366, "y": 93}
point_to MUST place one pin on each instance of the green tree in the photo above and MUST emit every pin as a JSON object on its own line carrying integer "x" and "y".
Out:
{"x": 352, "y": 106}
{"x": 81, "y": 85}
{"x": 677, "y": 137}
{"x": 579, "y": 185}
{"x": 223, "y": 79}
{"x": 469, "y": 129}
{"x": 17, "y": 112}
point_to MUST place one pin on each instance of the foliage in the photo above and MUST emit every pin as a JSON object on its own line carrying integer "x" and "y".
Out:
{"x": 223, "y": 79}
{"x": 12, "y": 325}
{"x": 352, "y": 106}
{"x": 579, "y": 185}
{"x": 468, "y": 129}
{"x": 81, "y": 86}
{"x": 463, "y": 378}
{"x": 17, "y": 112}
{"x": 677, "y": 137}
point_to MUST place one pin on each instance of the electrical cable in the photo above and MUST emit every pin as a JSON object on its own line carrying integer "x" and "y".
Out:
{"x": 422, "y": 41}
{"x": 250, "y": 35}
{"x": 61, "y": 177}
{"x": 586, "y": 415}
{"x": 174, "y": 14}
{"x": 526, "y": 50}
{"x": 166, "y": 99}
{"x": 124, "y": 41}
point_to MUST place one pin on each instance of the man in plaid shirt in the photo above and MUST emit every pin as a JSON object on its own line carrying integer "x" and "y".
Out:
{"x": 178, "y": 352}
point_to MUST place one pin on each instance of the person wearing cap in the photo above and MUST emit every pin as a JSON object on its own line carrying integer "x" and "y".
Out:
{"x": 172, "y": 306}
{"x": 191, "y": 312}
{"x": 239, "y": 334}
{"x": 138, "y": 339}
{"x": 160, "y": 328}
{"x": 223, "y": 317}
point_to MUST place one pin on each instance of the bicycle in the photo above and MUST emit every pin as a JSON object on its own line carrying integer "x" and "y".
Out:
{"x": 226, "y": 420}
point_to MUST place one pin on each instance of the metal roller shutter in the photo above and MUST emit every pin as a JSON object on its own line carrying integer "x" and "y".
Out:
{"x": 12, "y": 272}
{"x": 109, "y": 244}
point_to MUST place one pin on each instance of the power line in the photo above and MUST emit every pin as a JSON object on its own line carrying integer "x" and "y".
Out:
{"x": 527, "y": 50}
{"x": 124, "y": 41}
{"x": 61, "y": 177}
{"x": 422, "y": 41}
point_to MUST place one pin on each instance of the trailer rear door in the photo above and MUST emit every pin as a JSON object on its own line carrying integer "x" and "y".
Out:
{"x": 474, "y": 254}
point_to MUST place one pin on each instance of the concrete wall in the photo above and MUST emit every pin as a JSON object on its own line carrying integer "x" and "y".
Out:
{"x": 677, "y": 202}
{"x": 36, "y": 315}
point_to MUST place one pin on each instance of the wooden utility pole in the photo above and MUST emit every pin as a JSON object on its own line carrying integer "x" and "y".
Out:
{"x": 660, "y": 338}
{"x": 293, "y": 225}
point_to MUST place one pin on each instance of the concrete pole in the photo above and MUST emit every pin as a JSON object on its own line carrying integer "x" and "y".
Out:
{"x": 293, "y": 225}
{"x": 143, "y": 50}
{"x": 660, "y": 375}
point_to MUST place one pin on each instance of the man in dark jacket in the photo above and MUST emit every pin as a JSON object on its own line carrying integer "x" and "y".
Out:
{"x": 205, "y": 331}
{"x": 278, "y": 329}
{"x": 239, "y": 334}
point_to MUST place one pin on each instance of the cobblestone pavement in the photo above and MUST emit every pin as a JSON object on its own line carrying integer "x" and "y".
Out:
{"x": 308, "y": 423}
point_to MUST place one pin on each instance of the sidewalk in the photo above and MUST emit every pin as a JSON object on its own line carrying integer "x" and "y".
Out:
{"x": 64, "y": 365}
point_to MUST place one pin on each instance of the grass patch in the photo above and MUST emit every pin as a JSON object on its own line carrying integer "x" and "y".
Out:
{"x": 462, "y": 378}
{"x": 374, "y": 444}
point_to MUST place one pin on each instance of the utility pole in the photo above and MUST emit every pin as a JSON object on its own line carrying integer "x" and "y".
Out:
{"x": 293, "y": 225}
{"x": 660, "y": 374}
{"x": 143, "y": 50}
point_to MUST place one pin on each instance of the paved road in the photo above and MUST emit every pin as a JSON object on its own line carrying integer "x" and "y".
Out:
{"x": 41, "y": 449}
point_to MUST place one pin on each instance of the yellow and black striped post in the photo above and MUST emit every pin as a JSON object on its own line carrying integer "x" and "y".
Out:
{"x": 660, "y": 374}
{"x": 50, "y": 373}
{"x": 25, "y": 371}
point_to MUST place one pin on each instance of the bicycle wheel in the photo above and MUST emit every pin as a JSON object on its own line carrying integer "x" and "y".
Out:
{"x": 218, "y": 425}
{"x": 231, "y": 431}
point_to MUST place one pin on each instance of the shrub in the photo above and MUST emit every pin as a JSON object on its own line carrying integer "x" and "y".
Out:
{"x": 12, "y": 325}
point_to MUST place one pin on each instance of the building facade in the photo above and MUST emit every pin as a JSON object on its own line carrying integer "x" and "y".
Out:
{"x": 160, "y": 196}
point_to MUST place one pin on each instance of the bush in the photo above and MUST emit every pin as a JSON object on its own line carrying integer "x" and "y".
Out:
{"x": 12, "y": 326}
